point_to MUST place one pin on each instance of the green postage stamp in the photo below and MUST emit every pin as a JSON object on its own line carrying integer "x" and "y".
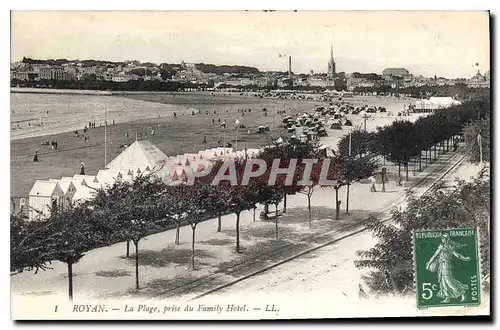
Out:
{"x": 447, "y": 267}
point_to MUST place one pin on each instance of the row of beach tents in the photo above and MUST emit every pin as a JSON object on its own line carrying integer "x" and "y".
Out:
{"x": 141, "y": 157}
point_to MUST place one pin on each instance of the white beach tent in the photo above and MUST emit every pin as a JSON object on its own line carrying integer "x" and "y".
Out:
{"x": 43, "y": 196}
{"x": 142, "y": 154}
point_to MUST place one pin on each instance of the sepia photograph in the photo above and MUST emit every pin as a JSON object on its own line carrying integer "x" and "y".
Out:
{"x": 249, "y": 164}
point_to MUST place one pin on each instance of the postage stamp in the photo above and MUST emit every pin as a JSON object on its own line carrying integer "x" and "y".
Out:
{"x": 447, "y": 267}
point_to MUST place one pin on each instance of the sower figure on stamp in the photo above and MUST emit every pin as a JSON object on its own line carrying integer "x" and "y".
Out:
{"x": 441, "y": 261}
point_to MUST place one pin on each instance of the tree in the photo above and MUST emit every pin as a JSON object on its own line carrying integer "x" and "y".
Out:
{"x": 171, "y": 206}
{"x": 137, "y": 214}
{"x": 69, "y": 234}
{"x": 285, "y": 152}
{"x": 347, "y": 170}
{"x": 239, "y": 201}
{"x": 105, "y": 204}
{"x": 361, "y": 143}
{"x": 198, "y": 208}
{"x": 471, "y": 131}
{"x": 467, "y": 204}
{"x": 28, "y": 250}
{"x": 398, "y": 143}
{"x": 267, "y": 194}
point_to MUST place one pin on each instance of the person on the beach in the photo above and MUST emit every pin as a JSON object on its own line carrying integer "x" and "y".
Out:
{"x": 82, "y": 169}
{"x": 35, "y": 158}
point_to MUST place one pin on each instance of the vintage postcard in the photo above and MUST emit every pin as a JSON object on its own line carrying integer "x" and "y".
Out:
{"x": 273, "y": 165}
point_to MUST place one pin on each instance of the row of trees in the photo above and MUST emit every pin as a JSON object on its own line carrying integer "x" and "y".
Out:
{"x": 403, "y": 140}
{"x": 460, "y": 90}
{"x": 91, "y": 83}
{"x": 224, "y": 69}
{"x": 131, "y": 210}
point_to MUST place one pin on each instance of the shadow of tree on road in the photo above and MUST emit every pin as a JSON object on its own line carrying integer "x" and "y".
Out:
{"x": 166, "y": 257}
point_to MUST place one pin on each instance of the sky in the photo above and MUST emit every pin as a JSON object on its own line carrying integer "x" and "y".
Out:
{"x": 442, "y": 43}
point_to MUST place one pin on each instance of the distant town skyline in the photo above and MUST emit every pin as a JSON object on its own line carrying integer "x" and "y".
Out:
{"x": 426, "y": 43}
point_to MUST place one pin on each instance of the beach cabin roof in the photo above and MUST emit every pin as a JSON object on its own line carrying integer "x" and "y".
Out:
{"x": 82, "y": 194}
{"x": 109, "y": 176}
{"x": 140, "y": 154}
{"x": 88, "y": 178}
{"x": 65, "y": 185}
{"x": 46, "y": 189}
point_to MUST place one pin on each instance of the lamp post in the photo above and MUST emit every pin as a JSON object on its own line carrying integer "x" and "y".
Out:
{"x": 384, "y": 171}
{"x": 105, "y": 136}
{"x": 480, "y": 143}
{"x": 365, "y": 116}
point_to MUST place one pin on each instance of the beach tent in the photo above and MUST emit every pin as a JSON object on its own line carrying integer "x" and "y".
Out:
{"x": 43, "y": 196}
{"x": 83, "y": 194}
{"x": 142, "y": 154}
{"x": 68, "y": 189}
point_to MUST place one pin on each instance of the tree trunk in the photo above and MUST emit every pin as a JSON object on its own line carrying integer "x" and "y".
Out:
{"x": 70, "y": 281}
{"x": 399, "y": 173}
{"x": 406, "y": 166}
{"x": 192, "y": 246}
{"x": 426, "y": 159}
{"x": 177, "y": 233}
{"x": 254, "y": 213}
{"x": 128, "y": 249}
{"x": 136, "y": 264}
{"x": 284, "y": 203}
{"x": 447, "y": 144}
{"x": 219, "y": 223}
{"x": 276, "y": 223}
{"x": 347, "y": 198}
{"x": 309, "y": 208}
{"x": 337, "y": 210}
{"x": 276, "y": 209}
{"x": 420, "y": 162}
{"x": 238, "y": 232}
{"x": 435, "y": 153}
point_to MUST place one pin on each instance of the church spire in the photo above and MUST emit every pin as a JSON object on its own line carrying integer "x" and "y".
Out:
{"x": 331, "y": 63}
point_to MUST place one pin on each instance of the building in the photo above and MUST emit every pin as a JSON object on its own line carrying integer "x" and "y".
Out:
{"x": 435, "y": 103}
{"x": 478, "y": 81}
{"x": 61, "y": 74}
{"x": 395, "y": 72}
{"x": 320, "y": 82}
{"x": 45, "y": 73}
{"x": 19, "y": 75}
{"x": 331, "y": 64}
